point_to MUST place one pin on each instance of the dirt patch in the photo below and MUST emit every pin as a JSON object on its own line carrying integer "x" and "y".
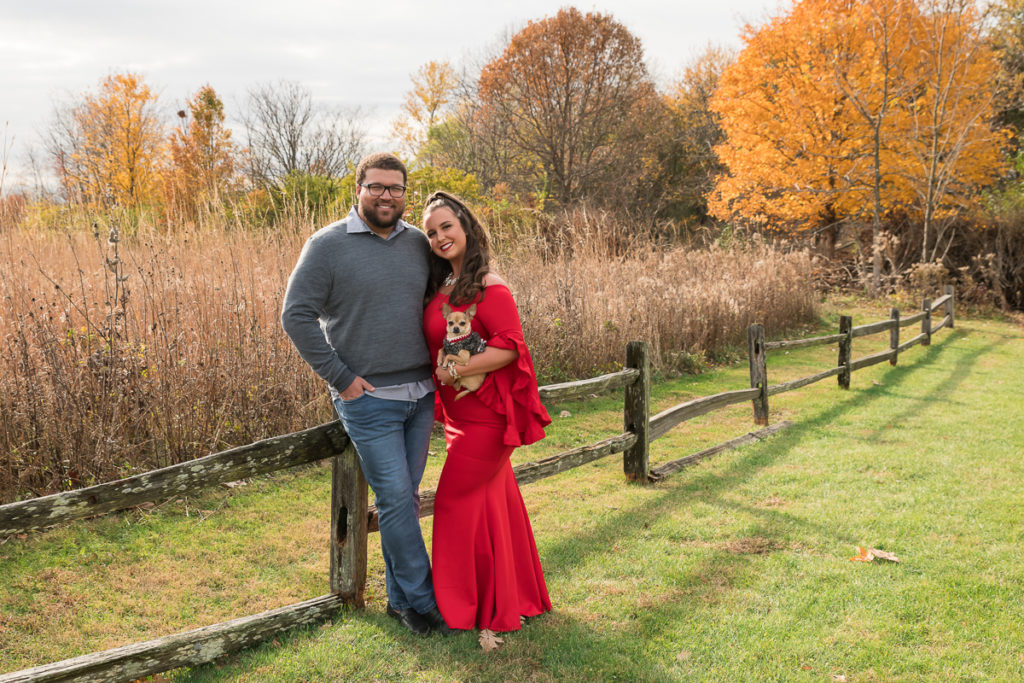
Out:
{"x": 755, "y": 545}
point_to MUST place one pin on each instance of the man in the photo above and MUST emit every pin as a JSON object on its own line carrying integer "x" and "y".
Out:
{"x": 354, "y": 310}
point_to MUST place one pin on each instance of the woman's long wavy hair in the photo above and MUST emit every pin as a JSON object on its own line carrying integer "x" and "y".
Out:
{"x": 475, "y": 264}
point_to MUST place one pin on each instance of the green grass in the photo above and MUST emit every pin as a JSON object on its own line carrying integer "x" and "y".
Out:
{"x": 734, "y": 569}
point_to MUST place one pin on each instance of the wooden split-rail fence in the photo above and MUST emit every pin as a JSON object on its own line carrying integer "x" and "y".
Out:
{"x": 352, "y": 518}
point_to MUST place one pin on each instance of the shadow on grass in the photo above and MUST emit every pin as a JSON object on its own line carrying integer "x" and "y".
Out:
{"x": 961, "y": 369}
{"x": 562, "y": 646}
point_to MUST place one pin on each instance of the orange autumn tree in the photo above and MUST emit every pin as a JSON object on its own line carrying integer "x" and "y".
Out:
{"x": 824, "y": 116}
{"x": 876, "y": 77}
{"x": 203, "y": 157}
{"x": 108, "y": 148}
{"x": 797, "y": 148}
{"x": 575, "y": 96}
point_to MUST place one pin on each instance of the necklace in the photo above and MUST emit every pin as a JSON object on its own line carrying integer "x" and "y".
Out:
{"x": 450, "y": 280}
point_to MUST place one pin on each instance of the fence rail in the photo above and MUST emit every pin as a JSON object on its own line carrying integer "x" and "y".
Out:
{"x": 872, "y": 328}
{"x": 911, "y": 319}
{"x": 800, "y": 343}
{"x": 803, "y": 381}
{"x": 667, "y": 419}
{"x": 567, "y": 391}
{"x": 352, "y": 519}
{"x": 188, "y": 648}
{"x": 262, "y": 457}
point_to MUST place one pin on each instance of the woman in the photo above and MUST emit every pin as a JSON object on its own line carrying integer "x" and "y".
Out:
{"x": 486, "y": 570}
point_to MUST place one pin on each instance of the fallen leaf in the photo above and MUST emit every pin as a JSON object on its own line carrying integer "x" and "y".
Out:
{"x": 869, "y": 554}
{"x": 488, "y": 640}
{"x": 148, "y": 505}
{"x": 565, "y": 413}
{"x": 883, "y": 555}
{"x": 862, "y": 555}
{"x": 877, "y": 383}
{"x": 235, "y": 484}
{"x": 683, "y": 656}
{"x": 839, "y": 677}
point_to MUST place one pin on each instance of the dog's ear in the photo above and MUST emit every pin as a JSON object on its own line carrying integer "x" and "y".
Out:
{"x": 470, "y": 312}
{"x": 446, "y": 310}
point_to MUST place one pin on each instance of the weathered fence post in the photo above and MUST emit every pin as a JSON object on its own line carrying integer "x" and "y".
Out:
{"x": 926, "y": 323}
{"x": 635, "y": 460}
{"x": 845, "y": 344}
{"x": 758, "y": 371}
{"x": 951, "y": 291}
{"x": 349, "y": 516}
{"x": 894, "y": 334}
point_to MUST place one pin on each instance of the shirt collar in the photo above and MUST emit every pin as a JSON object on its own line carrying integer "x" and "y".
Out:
{"x": 355, "y": 223}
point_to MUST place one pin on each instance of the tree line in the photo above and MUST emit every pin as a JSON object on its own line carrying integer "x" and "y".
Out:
{"x": 885, "y": 131}
{"x": 110, "y": 148}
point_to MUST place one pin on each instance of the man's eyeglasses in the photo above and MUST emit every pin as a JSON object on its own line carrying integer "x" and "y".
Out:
{"x": 376, "y": 189}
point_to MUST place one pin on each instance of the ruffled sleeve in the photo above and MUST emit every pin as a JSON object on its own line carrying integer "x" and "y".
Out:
{"x": 512, "y": 390}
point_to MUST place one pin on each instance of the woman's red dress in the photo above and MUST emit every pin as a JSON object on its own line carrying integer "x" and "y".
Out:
{"x": 485, "y": 565}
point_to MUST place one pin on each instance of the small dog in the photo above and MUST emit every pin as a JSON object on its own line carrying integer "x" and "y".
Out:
{"x": 460, "y": 343}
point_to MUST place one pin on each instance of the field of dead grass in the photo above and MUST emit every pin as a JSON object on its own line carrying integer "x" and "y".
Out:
{"x": 121, "y": 354}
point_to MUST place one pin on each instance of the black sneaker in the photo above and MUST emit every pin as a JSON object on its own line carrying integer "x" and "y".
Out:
{"x": 409, "y": 618}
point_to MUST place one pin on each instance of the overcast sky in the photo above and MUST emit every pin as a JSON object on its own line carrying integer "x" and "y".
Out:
{"x": 345, "y": 52}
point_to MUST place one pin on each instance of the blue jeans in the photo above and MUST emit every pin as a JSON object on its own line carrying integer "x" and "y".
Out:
{"x": 391, "y": 438}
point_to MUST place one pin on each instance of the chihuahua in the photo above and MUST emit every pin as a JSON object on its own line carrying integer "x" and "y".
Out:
{"x": 460, "y": 343}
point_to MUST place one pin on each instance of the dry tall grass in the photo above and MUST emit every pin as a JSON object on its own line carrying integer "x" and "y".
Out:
{"x": 594, "y": 286}
{"x": 123, "y": 356}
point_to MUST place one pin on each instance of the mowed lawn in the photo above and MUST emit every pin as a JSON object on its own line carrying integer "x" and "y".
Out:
{"x": 737, "y": 568}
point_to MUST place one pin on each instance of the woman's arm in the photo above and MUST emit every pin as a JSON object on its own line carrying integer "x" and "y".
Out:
{"x": 490, "y": 359}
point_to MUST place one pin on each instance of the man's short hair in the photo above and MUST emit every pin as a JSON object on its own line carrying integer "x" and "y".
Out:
{"x": 381, "y": 160}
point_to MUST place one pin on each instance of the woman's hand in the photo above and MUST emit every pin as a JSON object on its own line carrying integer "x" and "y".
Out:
{"x": 444, "y": 376}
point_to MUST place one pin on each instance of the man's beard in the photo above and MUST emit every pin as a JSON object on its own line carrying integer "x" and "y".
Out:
{"x": 373, "y": 219}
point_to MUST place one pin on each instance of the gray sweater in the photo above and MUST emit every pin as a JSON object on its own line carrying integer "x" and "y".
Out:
{"x": 354, "y": 305}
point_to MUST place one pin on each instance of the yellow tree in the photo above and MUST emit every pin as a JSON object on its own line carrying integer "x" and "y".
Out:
{"x": 202, "y": 154}
{"x": 953, "y": 151}
{"x": 108, "y": 149}
{"x": 792, "y": 145}
{"x": 691, "y": 164}
{"x": 433, "y": 90}
{"x": 837, "y": 109}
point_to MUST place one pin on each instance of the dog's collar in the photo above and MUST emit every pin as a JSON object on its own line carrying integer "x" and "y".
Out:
{"x": 459, "y": 338}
